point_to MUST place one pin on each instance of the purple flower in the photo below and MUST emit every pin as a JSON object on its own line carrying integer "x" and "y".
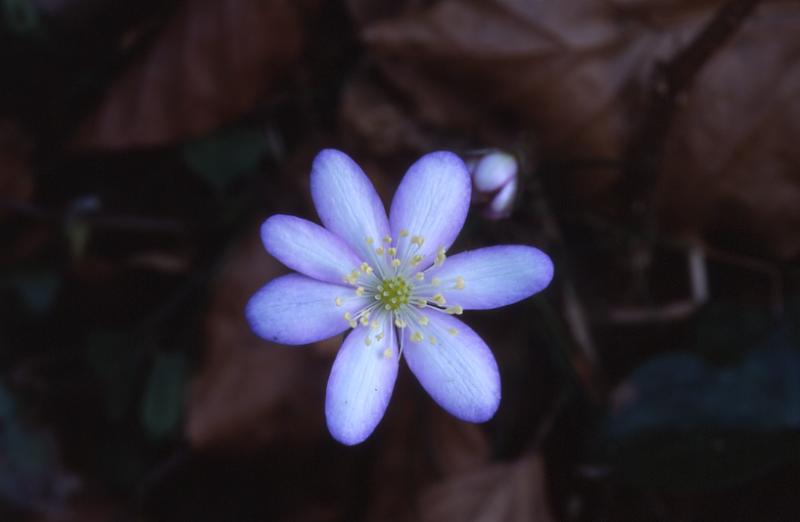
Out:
{"x": 390, "y": 280}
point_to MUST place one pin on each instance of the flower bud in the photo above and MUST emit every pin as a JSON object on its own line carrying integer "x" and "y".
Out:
{"x": 494, "y": 179}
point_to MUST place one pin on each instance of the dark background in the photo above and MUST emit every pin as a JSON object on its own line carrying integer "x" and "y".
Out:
{"x": 142, "y": 143}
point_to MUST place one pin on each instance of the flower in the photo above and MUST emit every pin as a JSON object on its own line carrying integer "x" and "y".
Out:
{"x": 391, "y": 281}
{"x": 494, "y": 176}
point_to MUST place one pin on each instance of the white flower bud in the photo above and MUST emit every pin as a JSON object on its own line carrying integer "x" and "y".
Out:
{"x": 494, "y": 178}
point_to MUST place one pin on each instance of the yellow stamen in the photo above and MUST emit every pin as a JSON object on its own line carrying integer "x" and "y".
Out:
{"x": 379, "y": 251}
{"x": 392, "y": 251}
{"x": 459, "y": 283}
{"x": 424, "y": 320}
{"x": 338, "y": 301}
{"x": 404, "y": 233}
{"x": 417, "y": 337}
{"x": 452, "y": 331}
{"x": 395, "y": 262}
{"x": 387, "y": 353}
{"x": 415, "y": 260}
{"x": 360, "y": 291}
{"x": 387, "y": 239}
{"x": 417, "y": 240}
{"x": 419, "y": 276}
{"x": 436, "y": 281}
{"x": 455, "y": 310}
{"x": 400, "y": 323}
{"x": 439, "y": 299}
{"x": 369, "y": 240}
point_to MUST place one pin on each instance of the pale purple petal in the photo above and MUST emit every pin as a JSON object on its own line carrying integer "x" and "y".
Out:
{"x": 503, "y": 201}
{"x": 493, "y": 171}
{"x": 308, "y": 248}
{"x": 432, "y": 201}
{"x": 457, "y": 370}
{"x": 347, "y": 202}
{"x": 360, "y": 385}
{"x": 295, "y": 309}
{"x": 492, "y": 277}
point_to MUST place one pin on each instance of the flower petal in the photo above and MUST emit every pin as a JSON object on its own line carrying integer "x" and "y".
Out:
{"x": 347, "y": 202}
{"x": 493, "y": 171}
{"x": 432, "y": 202}
{"x": 360, "y": 385}
{"x": 295, "y": 309}
{"x": 458, "y": 370}
{"x": 493, "y": 277}
{"x": 308, "y": 248}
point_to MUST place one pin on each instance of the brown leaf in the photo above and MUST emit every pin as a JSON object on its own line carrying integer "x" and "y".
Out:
{"x": 732, "y": 166}
{"x": 16, "y": 181}
{"x": 574, "y": 73}
{"x": 507, "y": 492}
{"x": 249, "y": 392}
{"x": 207, "y": 66}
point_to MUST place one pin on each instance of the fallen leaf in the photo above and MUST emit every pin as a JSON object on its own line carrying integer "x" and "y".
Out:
{"x": 505, "y": 492}
{"x": 249, "y": 393}
{"x": 210, "y": 64}
{"x": 575, "y": 75}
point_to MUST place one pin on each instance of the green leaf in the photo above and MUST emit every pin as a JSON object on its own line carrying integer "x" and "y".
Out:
{"x": 682, "y": 423}
{"x": 162, "y": 406}
{"x": 220, "y": 158}
{"x": 117, "y": 357}
{"x": 22, "y": 17}
{"x": 36, "y": 288}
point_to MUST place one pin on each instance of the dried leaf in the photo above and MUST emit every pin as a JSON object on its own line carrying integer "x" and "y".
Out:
{"x": 16, "y": 182}
{"x": 209, "y": 65}
{"x": 507, "y": 492}
{"x": 248, "y": 392}
{"x": 575, "y": 73}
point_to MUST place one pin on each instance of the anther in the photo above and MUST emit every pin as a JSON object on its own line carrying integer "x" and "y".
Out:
{"x": 374, "y": 324}
{"x": 369, "y": 240}
{"x": 400, "y": 323}
{"x": 459, "y": 283}
{"x": 360, "y": 291}
{"x": 404, "y": 233}
{"x": 432, "y": 339}
{"x": 455, "y": 310}
{"x": 417, "y": 240}
{"x": 366, "y": 268}
{"x": 387, "y": 353}
{"x": 419, "y": 276}
{"x": 436, "y": 281}
{"x": 452, "y": 331}
{"x": 364, "y": 320}
{"x": 367, "y": 341}
{"x": 424, "y": 320}
{"x": 387, "y": 239}
{"x": 348, "y": 316}
{"x": 338, "y": 301}
{"x": 395, "y": 262}
{"x": 379, "y": 251}
{"x": 417, "y": 337}
{"x": 415, "y": 260}
{"x": 439, "y": 299}
{"x": 353, "y": 324}
{"x": 392, "y": 251}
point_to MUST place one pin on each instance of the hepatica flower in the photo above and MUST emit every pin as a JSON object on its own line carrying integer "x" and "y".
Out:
{"x": 392, "y": 282}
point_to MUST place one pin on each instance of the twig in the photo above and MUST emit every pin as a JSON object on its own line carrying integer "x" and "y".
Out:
{"x": 643, "y": 164}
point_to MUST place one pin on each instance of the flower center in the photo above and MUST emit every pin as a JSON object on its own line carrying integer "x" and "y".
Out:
{"x": 394, "y": 292}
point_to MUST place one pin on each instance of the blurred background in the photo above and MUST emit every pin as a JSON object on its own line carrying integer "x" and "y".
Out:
{"x": 650, "y": 148}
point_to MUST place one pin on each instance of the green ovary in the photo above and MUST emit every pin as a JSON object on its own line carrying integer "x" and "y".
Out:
{"x": 394, "y": 293}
